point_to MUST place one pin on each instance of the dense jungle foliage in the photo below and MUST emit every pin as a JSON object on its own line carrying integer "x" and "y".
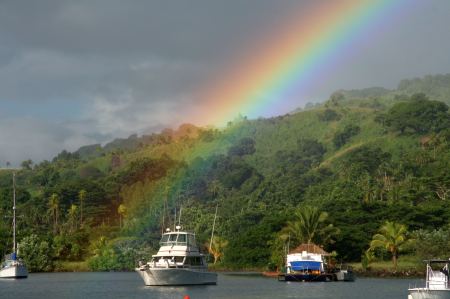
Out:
{"x": 354, "y": 162}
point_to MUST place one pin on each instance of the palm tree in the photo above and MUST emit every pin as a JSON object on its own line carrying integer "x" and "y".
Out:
{"x": 309, "y": 226}
{"x": 72, "y": 216}
{"x": 217, "y": 247}
{"x": 82, "y": 198}
{"x": 122, "y": 210}
{"x": 214, "y": 187}
{"x": 392, "y": 238}
{"x": 53, "y": 205}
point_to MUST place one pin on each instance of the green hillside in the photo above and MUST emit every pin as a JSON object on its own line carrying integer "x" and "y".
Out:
{"x": 363, "y": 157}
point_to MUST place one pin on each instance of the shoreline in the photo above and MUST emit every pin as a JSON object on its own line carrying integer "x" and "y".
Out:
{"x": 369, "y": 274}
{"x": 272, "y": 274}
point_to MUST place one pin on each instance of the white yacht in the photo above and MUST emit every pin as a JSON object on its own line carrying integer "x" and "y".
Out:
{"x": 178, "y": 262}
{"x": 437, "y": 284}
{"x": 12, "y": 267}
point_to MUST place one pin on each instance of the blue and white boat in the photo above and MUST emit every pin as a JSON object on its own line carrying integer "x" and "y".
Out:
{"x": 306, "y": 263}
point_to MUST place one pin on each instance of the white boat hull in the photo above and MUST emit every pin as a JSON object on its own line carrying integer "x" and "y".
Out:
{"x": 176, "y": 276}
{"x": 16, "y": 271}
{"x": 422, "y": 293}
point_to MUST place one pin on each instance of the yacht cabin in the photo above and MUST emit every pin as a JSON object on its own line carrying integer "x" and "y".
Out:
{"x": 178, "y": 250}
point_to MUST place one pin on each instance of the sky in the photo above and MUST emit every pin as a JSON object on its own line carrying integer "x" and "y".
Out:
{"x": 74, "y": 73}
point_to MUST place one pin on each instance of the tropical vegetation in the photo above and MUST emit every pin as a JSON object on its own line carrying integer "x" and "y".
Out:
{"x": 331, "y": 173}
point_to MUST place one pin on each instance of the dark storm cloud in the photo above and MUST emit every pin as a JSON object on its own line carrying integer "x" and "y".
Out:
{"x": 79, "y": 72}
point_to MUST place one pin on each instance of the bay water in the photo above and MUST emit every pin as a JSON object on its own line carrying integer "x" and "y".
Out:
{"x": 111, "y": 285}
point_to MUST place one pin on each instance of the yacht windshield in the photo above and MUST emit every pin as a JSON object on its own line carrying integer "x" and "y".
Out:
{"x": 173, "y": 238}
{"x": 184, "y": 239}
{"x": 181, "y": 239}
{"x": 164, "y": 240}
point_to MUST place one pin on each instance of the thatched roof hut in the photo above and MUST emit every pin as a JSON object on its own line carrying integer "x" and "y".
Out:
{"x": 310, "y": 248}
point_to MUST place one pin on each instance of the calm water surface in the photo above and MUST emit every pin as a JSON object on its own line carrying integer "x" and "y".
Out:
{"x": 129, "y": 285}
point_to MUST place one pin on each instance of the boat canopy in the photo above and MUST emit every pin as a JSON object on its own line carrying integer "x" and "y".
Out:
{"x": 305, "y": 265}
{"x": 178, "y": 238}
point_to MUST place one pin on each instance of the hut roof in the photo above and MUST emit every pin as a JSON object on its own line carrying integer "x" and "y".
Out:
{"x": 310, "y": 248}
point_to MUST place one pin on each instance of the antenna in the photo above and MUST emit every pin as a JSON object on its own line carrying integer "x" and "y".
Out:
{"x": 175, "y": 220}
{"x": 179, "y": 216}
{"x": 164, "y": 208}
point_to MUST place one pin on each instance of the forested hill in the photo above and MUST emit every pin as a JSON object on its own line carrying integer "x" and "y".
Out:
{"x": 362, "y": 157}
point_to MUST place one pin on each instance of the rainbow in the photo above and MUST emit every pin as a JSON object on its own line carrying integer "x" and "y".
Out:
{"x": 291, "y": 58}
{"x": 313, "y": 41}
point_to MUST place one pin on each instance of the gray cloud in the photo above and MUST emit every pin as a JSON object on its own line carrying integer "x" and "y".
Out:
{"x": 80, "y": 72}
{"x": 24, "y": 138}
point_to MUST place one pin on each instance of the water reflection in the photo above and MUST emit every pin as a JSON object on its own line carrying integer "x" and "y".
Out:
{"x": 129, "y": 285}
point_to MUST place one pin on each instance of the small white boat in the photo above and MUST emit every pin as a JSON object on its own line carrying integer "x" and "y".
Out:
{"x": 437, "y": 285}
{"x": 344, "y": 273}
{"x": 12, "y": 267}
{"x": 178, "y": 262}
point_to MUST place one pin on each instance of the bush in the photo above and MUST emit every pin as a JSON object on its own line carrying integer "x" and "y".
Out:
{"x": 419, "y": 115}
{"x": 37, "y": 254}
{"x": 432, "y": 244}
{"x": 329, "y": 115}
{"x": 109, "y": 256}
{"x": 341, "y": 138}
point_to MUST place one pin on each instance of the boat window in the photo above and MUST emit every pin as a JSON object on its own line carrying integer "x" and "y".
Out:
{"x": 179, "y": 259}
{"x": 194, "y": 260}
{"x": 181, "y": 239}
{"x": 164, "y": 240}
{"x": 173, "y": 238}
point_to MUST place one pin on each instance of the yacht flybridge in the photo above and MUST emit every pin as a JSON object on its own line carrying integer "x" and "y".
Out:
{"x": 178, "y": 262}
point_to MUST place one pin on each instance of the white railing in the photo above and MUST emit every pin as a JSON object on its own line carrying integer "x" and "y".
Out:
{"x": 437, "y": 280}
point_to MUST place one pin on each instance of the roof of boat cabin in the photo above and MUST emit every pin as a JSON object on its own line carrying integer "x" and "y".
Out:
{"x": 310, "y": 248}
{"x": 173, "y": 232}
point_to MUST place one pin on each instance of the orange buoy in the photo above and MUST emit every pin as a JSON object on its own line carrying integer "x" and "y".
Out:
{"x": 187, "y": 297}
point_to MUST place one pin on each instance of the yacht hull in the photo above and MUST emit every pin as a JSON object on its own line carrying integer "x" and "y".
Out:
{"x": 176, "y": 276}
{"x": 422, "y": 293}
{"x": 17, "y": 271}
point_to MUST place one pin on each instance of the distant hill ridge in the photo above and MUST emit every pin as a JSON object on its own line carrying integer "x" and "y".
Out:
{"x": 435, "y": 86}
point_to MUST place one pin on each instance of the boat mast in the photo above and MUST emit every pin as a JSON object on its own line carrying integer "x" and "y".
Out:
{"x": 14, "y": 212}
{"x": 163, "y": 228}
